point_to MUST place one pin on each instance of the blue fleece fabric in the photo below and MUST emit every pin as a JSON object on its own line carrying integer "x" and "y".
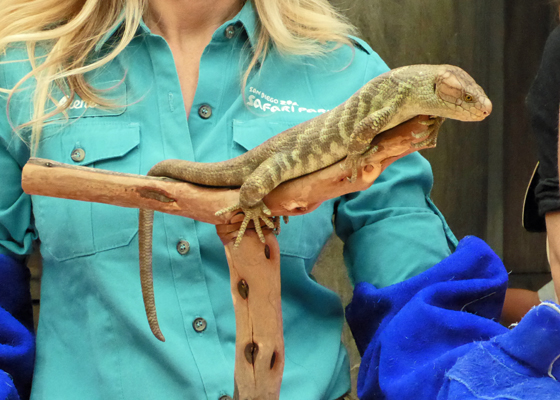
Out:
{"x": 17, "y": 340}
{"x": 436, "y": 336}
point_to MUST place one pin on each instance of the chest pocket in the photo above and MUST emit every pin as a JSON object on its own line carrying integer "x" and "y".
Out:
{"x": 70, "y": 228}
{"x": 305, "y": 235}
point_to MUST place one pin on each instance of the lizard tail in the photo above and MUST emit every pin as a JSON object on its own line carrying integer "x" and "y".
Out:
{"x": 146, "y": 219}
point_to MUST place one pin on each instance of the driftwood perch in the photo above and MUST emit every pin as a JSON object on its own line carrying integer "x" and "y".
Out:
{"x": 299, "y": 196}
{"x": 255, "y": 287}
{"x": 254, "y": 266}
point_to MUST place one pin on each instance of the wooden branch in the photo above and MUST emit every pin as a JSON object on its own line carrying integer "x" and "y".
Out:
{"x": 254, "y": 266}
{"x": 255, "y": 287}
{"x": 295, "y": 197}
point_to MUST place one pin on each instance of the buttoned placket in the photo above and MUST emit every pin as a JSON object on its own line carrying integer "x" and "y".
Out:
{"x": 180, "y": 136}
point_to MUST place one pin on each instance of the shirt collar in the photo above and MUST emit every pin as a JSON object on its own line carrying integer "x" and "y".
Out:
{"x": 111, "y": 32}
{"x": 246, "y": 17}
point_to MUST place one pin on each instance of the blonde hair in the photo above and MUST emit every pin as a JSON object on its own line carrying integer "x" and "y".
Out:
{"x": 70, "y": 29}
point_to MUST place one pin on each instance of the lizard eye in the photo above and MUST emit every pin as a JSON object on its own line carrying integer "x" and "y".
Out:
{"x": 468, "y": 98}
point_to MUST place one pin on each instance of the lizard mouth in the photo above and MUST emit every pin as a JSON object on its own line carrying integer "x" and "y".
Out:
{"x": 484, "y": 110}
{"x": 474, "y": 113}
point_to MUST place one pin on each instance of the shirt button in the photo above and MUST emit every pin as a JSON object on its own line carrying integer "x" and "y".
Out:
{"x": 229, "y": 33}
{"x": 78, "y": 155}
{"x": 199, "y": 324}
{"x": 225, "y": 398}
{"x": 205, "y": 111}
{"x": 183, "y": 247}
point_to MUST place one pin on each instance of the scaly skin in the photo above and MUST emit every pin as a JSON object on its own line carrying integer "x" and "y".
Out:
{"x": 443, "y": 91}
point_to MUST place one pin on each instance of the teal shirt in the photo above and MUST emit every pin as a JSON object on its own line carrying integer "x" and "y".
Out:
{"x": 93, "y": 340}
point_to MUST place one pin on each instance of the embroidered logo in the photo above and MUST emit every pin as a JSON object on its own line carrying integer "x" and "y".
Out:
{"x": 260, "y": 100}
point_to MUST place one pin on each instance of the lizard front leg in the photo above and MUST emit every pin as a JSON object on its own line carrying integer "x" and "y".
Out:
{"x": 257, "y": 185}
{"x": 252, "y": 213}
{"x": 430, "y": 136}
{"x": 360, "y": 139}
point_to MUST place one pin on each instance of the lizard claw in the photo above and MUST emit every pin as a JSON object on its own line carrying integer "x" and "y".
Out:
{"x": 430, "y": 141}
{"x": 264, "y": 209}
{"x": 430, "y": 135}
{"x": 352, "y": 162}
{"x": 228, "y": 209}
{"x": 428, "y": 122}
{"x": 242, "y": 229}
{"x": 268, "y": 222}
{"x": 258, "y": 228}
{"x": 431, "y": 124}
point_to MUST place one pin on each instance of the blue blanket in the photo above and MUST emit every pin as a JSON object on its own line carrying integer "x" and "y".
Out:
{"x": 436, "y": 336}
{"x": 17, "y": 341}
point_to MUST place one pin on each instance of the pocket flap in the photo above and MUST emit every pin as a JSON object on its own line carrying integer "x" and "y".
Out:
{"x": 105, "y": 144}
{"x": 102, "y": 141}
{"x": 96, "y": 139}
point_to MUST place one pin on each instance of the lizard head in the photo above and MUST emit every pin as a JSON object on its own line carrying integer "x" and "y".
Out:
{"x": 462, "y": 97}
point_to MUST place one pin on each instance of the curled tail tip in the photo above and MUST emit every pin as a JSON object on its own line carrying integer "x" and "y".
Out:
{"x": 157, "y": 333}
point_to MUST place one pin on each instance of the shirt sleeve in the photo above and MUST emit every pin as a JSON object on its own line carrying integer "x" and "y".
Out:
{"x": 16, "y": 222}
{"x": 543, "y": 103}
{"x": 393, "y": 231}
